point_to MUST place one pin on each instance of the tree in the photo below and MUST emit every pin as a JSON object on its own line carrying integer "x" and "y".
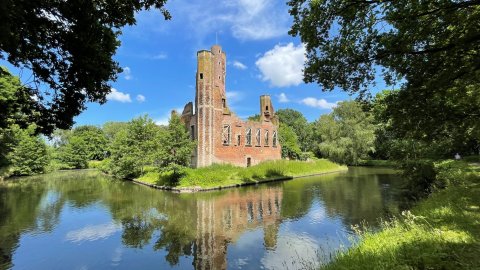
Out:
{"x": 74, "y": 154}
{"x": 299, "y": 125}
{"x": 111, "y": 129}
{"x": 431, "y": 48}
{"x": 428, "y": 44}
{"x": 255, "y": 117}
{"x": 16, "y": 109}
{"x": 135, "y": 147}
{"x": 289, "y": 142}
{"x": 176, "y": 146}
{"x": 28, "y": 153}
{"x": 346, "y": 134}
{"x": 69, "y": 46}
{"x": 95, "y": 139}
{"x": 15, "y": 100}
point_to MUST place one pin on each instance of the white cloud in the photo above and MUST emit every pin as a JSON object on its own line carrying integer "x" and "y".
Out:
{"x": 244, "y": 19}
{"x": 93, "y": 232}
{"x": 119, "y": 96}
{"x": 127, "y": 72}
{"x": 160, "y": 56}
{"x": 282, "y": 66}
{"x": 318, "y": 103}
{"x": 234, "y": 97}
{"x": 239, "y": 65}
{"x": 141, "y": 98}
{"x": 282, "y": 98}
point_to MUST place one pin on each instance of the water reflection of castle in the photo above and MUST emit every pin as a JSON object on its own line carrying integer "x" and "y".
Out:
{"x": 223, "y": 220}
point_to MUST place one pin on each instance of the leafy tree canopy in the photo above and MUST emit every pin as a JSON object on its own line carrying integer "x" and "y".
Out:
{"x": 176, "y": 145}
{"x": 428, "y": 44}
{"x": 299, "y": 124}
{"x": 347, "y": 134}
{"x": 68, "y": 45}
{"x": 134, "y": 147}
{"x": 15, "y": 101}
{"x": 289, "y": 142}
{"x": 28, "y": 153}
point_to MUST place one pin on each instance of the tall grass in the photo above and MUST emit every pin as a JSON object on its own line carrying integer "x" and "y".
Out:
{"x": 441, "y": 232}
{"x": 218, "y": 175}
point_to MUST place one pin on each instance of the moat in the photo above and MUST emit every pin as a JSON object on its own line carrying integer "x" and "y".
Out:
{"x": 86, "y": 220}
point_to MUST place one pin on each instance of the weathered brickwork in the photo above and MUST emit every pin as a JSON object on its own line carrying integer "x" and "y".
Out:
{"x": 221, "y": 136}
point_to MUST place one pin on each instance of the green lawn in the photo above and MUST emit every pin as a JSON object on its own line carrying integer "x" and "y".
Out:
{"x": 224, "y": 175}
{"x": 441, "y": 232}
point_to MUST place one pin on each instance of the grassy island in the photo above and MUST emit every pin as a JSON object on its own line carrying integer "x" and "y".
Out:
{"x": 441, "y": 232}
{"x": 222, "y": 175}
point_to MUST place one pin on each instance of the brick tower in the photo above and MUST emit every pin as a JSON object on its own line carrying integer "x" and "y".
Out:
{"x": 221, "y": 136}
{"x": 210, "y": 101}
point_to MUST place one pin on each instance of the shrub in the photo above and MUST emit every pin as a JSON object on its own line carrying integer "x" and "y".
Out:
{"x": 420, "y": 175}
{"x": 29, "y": 154}
{"x": 451, "y": 172}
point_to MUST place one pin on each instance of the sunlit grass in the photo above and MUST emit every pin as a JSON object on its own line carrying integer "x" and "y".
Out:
{"x": 225, "y": 175}
{"x": 442, "y": 232}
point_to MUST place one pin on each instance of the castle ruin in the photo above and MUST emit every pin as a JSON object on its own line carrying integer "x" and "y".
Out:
{"x": 221, "y": 136}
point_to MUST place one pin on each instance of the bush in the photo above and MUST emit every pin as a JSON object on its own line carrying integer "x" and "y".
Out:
{"x": 425, "y": 175}
{"x": 451, "y": 172}
{"x": 29, "y": 155}
{"x": 74, "y": 154}
{"x": 420, "y": 175}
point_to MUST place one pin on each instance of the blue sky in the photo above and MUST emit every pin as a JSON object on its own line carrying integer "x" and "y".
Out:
{"x": 159, "y": 61}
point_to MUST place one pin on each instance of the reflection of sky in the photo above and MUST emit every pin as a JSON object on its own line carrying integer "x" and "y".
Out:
{"x": 93, "y": 232}
{"x": 301, "y": 243}
{"x": 293, "y": 252}
{"x": 86, "y": 236}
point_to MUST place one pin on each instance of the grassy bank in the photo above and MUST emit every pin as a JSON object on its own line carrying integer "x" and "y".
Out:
{"x": 441, "y": 232}
{"x": 377, "y": 163}
{"x": 225, "y": 175}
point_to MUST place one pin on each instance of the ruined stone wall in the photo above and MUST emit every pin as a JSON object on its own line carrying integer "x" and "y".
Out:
{"x": 206, "y": 121}
{"x": 237, "y": 153}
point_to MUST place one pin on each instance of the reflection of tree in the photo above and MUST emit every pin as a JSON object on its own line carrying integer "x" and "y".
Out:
{"x": 363, "y": 194}
{"x": 137, "y": 231}
{"x": 296, "y": 199}
{"x": 19, "y": 207}
{"x": 198, "y": 225}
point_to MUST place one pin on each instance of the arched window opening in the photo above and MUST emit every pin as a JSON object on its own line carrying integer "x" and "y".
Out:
{"x": 248, "y": 137}
{"x": 274, "y": 139}
{"x": 266, "y": 137}
{"x": 226, "y": 135}
{"x": 258, "y": 138}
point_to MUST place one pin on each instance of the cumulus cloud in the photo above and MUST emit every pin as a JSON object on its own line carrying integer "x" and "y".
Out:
{"x": 239, "y": 65}
{"x": 282, "y": 66}
{"x": 141, "y": 98}
{"x": 127, "y": 73}
{"x": 318, "y": 103}
{"x": 116, "y": 95}
{"x": 282, "y": 98}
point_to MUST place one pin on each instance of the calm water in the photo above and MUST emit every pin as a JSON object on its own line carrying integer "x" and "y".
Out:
{"x": 85, "y": 220}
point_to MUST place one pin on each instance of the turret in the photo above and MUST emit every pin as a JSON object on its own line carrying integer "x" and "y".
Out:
{"x": 267, "y": 113}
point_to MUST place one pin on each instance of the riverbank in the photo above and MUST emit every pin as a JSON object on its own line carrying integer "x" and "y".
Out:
{"x": 226, "y": 176}
{"x": 441, "y": 232}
